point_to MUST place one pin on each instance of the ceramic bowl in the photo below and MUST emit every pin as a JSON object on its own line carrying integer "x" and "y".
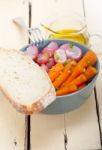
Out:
{"x": 72, "y": 101}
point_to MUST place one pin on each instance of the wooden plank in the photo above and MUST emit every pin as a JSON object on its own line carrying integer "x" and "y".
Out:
{"x": 47, "y": 132}
{"x": 10, "y": 35}
{"x": 82, "y": 127}
{"x": 12, "y": 123}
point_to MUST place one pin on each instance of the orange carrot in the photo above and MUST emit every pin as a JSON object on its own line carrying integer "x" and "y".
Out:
{"x": 79, "y": 80}
{"x": 77, "y": 71}
{"x": 61, "y": 78}
{"x": 65, "y": 74}
{"x": 55, "y": 71}
{"x": 89, "y": 58}
{"x": 66, "y": 90}
{"x": 83, "y": 78}
{"x": 70, "y": 65}
{"x": 81, "y": 86}
{"x": 90, "y": 72}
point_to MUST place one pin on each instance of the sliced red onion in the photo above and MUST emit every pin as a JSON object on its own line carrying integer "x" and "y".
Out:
{"x": 60, "y": 56}
{"x": 32, "y": 51}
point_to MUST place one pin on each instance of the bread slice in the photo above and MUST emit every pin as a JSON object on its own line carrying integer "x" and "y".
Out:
{"x": 26, "y": 85}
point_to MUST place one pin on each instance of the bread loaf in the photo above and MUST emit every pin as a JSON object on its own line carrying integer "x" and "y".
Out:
{"x": 24, "y": 83}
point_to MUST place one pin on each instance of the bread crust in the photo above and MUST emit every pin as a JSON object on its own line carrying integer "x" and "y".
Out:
{"x": 26, "y": 109}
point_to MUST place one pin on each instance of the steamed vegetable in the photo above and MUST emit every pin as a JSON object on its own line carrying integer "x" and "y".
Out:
{"x": 81, "y": 86}
{"x": 79, "y": 80}
{"x": 66, "y": 90}
{"x": 90, "y": 72}
{"x": 65, "y": 74}
{"x": 70, "y": 65}
{"x": 72, "y": 51}
{"x": 65, "y": 46}
{"x": 60, "y": 56}
{"x": 42, "y": 58}
{"x": 51, "y": 62}
{"x": 50, "y": 48}
{"x": 61, "y": 78}
{"x": 55, "y": 71}
{"x": 88, "y": 59}
{"x": 75, "y": 73}
{"x": 32, "y": 51}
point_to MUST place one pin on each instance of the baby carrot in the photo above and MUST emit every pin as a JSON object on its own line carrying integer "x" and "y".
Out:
{"x": 55, "y": 71}
{"x": 78, "y": 81}
{"x": 70, "y": 65}
{"x": 89, "y": 59}
{"x": 90, "y": 72}
{"x": 61, "y": 78}
{"x": 84, "y": 77}
{"x": 81, "y": 86}
{"x": 66, "y": 90}
{"x": 65, "y": 74}
{"x": 77, "y": 71}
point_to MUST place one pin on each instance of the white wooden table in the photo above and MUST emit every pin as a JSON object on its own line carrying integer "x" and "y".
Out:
{"x": 44, "y": 132}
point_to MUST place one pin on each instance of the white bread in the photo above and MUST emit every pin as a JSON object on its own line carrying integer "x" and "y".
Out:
{"x": 26, "y": 85}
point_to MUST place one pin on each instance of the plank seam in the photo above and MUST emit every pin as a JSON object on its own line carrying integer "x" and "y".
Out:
{"x": 27, "y": 145}
{"x": 98, "y": 115}
{"x": 29, "y": 118}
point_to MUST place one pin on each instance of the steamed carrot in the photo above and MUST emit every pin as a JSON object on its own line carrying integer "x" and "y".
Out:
{"x": 55, "y": 71}
{"x": 81, "y": 86}
{"x": 77, "y": 71}
{"x": 78, "y": 81}
{"x": 66, "y": 90}
{"x": 90, "y": 72}
{"x": 89, "y": 58}
{"x": 70, "y": 65}
{"x": 65, "y": 74}
{"x": 83, "y": 78}
{"x": 61, "y": 78}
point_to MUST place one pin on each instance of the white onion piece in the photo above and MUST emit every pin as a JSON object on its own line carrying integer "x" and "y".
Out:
{"x": 60, "y": 56}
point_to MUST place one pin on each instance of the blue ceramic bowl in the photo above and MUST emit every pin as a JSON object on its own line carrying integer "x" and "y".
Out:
{"x": 72, "y": 101}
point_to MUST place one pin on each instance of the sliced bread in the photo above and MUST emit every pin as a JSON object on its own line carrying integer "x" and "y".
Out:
{"x": 26, "y": 85}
